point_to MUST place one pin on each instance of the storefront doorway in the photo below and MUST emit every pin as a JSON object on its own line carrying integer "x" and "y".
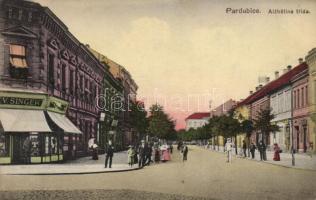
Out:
{"x": 21, "y": 148}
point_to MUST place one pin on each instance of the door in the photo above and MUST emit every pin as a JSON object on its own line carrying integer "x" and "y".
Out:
{"x": 304, "y": 138}
{"x": 21, "y": 149}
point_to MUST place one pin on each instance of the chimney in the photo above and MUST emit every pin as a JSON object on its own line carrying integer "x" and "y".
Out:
{"x": 250, "y": 92}
{"x": 260, "y": 86}
{"x": 289, "y": 67}
{"x": 300, "y": 60}
{"x": 267, "y": 79}
{"x": 257, "y": 88}
{"x": 276, "y": 74}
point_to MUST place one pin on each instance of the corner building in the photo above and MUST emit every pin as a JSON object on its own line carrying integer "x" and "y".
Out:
{"x": 39, "y": 56}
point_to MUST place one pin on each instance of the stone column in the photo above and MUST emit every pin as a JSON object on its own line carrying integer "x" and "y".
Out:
{"x": 311, "y": 62}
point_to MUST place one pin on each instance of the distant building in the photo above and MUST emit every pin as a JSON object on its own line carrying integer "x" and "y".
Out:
{"x": 197, "y": 120}
{"x": 124, "y": 133}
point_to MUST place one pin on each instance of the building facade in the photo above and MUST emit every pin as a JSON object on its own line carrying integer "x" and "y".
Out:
{"x": 311, "y": 61}
{"x": 129, "y": 94}
{"x": 301, "y": 136}
{"x": 40, "y": 55}
{"x": 281, "y": 107}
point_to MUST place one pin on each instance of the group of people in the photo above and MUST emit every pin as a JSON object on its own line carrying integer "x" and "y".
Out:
{"x": 141, "y": 155}
{"x": 252, "y": 148}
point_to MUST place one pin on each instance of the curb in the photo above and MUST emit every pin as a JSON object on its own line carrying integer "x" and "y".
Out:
{"x": 74, "y": 173}
{"x": 252, "y": 160}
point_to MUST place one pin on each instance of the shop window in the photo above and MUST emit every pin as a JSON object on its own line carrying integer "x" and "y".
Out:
{"x": 60, "y": 145}
{"x": 54, "y": 146}
{"x": 4, "y": 145}
{"x": 47, "y": 148}
{"x": 18, "y": 65}
{"x": 35, "y": 145}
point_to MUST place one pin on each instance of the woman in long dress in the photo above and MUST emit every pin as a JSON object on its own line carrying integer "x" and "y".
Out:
{"x": 165, "y": 153}
{"x": 131, "y": 156}
{"x": 276, "y": 156}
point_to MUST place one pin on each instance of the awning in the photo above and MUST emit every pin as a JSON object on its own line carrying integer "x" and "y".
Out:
{"x": 15, "y": 120}
{"x": 64, "y": 123}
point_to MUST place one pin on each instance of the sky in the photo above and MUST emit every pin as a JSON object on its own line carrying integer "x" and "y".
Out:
{"x": 190, "y": 54}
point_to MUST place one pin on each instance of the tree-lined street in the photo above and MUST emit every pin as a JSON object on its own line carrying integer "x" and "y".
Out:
{"x": 205, "y": 174}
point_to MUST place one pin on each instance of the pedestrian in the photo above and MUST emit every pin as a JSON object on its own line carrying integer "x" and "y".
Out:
{"x": 179, "y": 147}
{"x": 157, "y": 154}
{"x": 136, "y": 154}
{"x": 165, "y": 155}
{"x": 262, "y": 149}
{"x": 171, "y": 148}
{"x": 131, "y": 155}
{"x": 148, "y": 154}
{"x": 109, "y": 151}
{"x": 252, "y": 150}
{"x": 95, "y": 152}
{"x": 141, "y": 156}
{"x": 277, "y": 151}
{"x": 244, "y": 148}
{"x": 185, "y": 151}
{"x": 228, "y": 147}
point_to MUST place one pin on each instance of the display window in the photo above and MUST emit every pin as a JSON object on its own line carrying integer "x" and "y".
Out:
{"x": 53, "y": 143}
{"x": 4, "y": 145}
{"x": 47, "y": 145}
{"x": 35, "y": 145}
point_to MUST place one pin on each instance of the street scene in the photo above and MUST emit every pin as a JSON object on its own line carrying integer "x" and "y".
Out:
{"x": 157, "y": 99}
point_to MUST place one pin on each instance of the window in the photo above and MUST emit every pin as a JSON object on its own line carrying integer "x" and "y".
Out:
{"x": 298, "y": 98}
{"x": 303, "y": 99}
{"x": 18, "y": 65}
{"x": 71, "y": 82}
{"x": 54, "y": 146}
{"x": 294, "y": 98}
{"x": 51, "y": 65}
{"x": 4, "y": 145}
{"x": 47, "y": 146}
{"x": 63, "y": 77}
{"x": 35, "y": 145}
{"x": 306, "y": 95}
{"x": 81, "y": 83}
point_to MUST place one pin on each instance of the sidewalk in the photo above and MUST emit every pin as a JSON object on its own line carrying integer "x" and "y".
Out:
{"x": 302, "y": 161}
{"x": 83, "y": 165}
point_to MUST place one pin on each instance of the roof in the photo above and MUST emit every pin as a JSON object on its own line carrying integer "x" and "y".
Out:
{"x": 274, "y": 85}
{"x": 199, "y": 115}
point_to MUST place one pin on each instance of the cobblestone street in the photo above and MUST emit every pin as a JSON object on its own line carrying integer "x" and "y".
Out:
{"x": 206, "y": 174}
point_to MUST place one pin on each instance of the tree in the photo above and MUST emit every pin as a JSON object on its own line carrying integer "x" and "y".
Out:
{"x": 160, "y": 124}
{"x": 247, "y": 127}
{"x": 263, "y": 124}
{"x": 138, "y": 117}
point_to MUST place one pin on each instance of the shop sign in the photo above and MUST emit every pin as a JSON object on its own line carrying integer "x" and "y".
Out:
{"x": 57, "y": 105}
{"x": 22, "y": 100}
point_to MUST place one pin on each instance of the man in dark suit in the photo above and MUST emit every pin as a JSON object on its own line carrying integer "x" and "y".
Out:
{"x": 109, "y": 151}
{"x": 141, "y": 156}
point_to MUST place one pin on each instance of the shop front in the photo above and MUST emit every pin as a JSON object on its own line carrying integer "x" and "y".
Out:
{"x": 34, "y": 129}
